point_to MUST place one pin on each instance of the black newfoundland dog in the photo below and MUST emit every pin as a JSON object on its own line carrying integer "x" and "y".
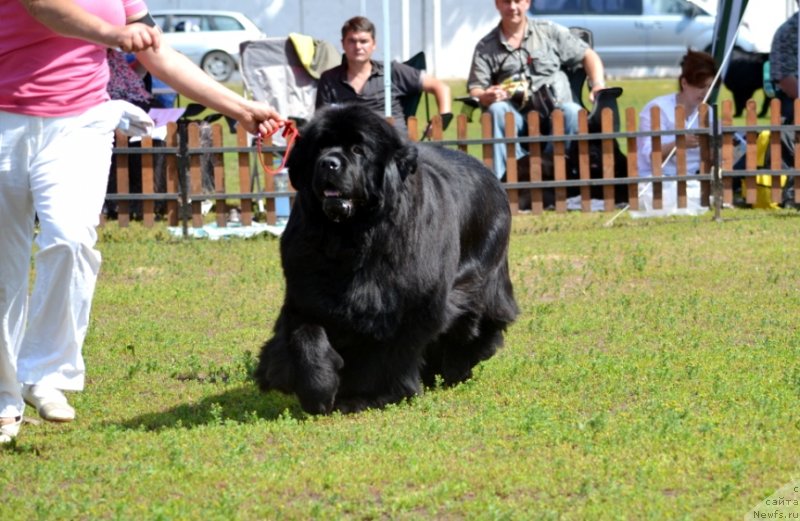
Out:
{"x": 395, "y": 258}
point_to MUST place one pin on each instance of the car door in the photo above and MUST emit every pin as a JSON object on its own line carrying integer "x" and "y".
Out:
{"x": 229, "y": 32}
{"x": 188, "y": 33}
{"x": 619, "y": 41}
{"x": 672, "y": 26}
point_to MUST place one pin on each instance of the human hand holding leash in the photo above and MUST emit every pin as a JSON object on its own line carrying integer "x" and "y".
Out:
{"x": 290, "y": 133}
{"x": 261, "y": 118}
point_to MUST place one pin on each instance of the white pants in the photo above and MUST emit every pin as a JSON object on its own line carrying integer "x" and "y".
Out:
{"x": 669, "y": 200}
{"x": 56, "y": 169}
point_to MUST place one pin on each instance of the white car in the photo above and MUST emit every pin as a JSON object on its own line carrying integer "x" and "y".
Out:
{"x": 209, "y": 38}
{"x": 639, "y": 37}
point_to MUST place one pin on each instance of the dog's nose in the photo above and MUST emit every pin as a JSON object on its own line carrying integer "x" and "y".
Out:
{"x": 330, "y": 163}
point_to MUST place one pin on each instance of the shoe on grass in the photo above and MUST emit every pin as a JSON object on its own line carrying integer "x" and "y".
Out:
{"x": 9, "y": 428}
{"x": 50, "y": 403}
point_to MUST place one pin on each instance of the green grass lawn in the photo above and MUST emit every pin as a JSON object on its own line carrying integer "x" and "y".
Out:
{"x": 653, "y": 373}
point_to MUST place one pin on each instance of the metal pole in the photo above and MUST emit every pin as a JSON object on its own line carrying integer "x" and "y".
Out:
{"x": 387, "y": 61}
{"x": 437, "y": 37}
{"x": 716, "y": 182}
{"x": 405, "y": 30}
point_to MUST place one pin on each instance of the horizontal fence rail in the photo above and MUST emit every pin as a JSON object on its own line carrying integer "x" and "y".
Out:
{"x": 180, "y": 178}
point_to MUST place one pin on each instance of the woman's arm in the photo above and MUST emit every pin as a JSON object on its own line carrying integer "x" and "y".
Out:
{"x": 69, "y": 19}
{"x": 180, "y": 73}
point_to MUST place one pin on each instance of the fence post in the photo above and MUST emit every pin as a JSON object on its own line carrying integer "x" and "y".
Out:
{"x": 751, "y": 162}
{"x": 436, "y": 130}
{"x": 583, "y": 162}
{"x": 172, "y": 173}
{"x": 559, "y": 158}
{"x": 148, "y": 206}
{"x": 461, "y": 131}
{"x": 413, "y": 129}
{"x": 656, "y": 158}
{"x": 607, "y": 126}
{"x": 183, "y": 175}
{"x": 535, "y": 164}
{"x": 680, "y": 156}
{"x": 486, "y": 133}
{"x": 246, "y": 205}
{"x": 220, "y": 205}
{"x": 775, "y": 156}
{"x": 632, "y": 157}
{"x": 726, "y": 153}
{"x": 195, "y": 175}
{"x": 510, "y": 128}
{"x": 123, "y": 182}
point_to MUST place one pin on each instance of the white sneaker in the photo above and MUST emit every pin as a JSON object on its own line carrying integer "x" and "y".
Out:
{"x": 9, "y": 431}
{"x": 50, "y": 403}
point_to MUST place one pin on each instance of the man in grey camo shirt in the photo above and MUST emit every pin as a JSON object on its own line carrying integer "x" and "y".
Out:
{"x": 521, "y": 48}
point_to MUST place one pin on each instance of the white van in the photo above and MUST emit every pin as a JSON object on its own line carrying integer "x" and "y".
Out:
{"x": 637, "y": 38}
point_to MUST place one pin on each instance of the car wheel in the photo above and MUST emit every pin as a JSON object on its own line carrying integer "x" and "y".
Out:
{"x": 219, "y": 65}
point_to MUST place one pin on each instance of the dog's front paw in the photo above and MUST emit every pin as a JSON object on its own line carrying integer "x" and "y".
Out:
{"x": 317, "y": 367}
{"x": 352, "y": 405}
{"x": 275, "y": 369}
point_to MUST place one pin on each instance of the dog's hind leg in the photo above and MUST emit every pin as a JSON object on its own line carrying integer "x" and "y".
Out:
{"x": 457, "y": 364}
{"x": 456, "y": 352}
{"x": 304, "y": 363}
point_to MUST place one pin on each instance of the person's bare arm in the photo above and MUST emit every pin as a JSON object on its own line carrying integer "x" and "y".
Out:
{"x": 440, "y": 90}
{"x": 489, "y": 95}
{"x": 67, "y": 18}
{"x": 595, "y": 72}
{"x": 180, "y": 73}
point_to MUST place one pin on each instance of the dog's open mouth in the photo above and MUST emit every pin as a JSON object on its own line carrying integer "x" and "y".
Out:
{"x": 336, "y": 207}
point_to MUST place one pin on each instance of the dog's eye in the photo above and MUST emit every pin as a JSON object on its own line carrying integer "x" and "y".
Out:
{"x": 357, "y": 150}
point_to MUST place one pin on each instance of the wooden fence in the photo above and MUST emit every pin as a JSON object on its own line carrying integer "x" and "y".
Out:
{"x": 189, "y": 169}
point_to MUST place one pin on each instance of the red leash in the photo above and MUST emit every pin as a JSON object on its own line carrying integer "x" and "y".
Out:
{"x": 290, "y": 133}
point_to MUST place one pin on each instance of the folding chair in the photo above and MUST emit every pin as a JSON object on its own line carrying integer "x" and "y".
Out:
{"x": 411, "y": 102}
{"x": 274, "y": 72}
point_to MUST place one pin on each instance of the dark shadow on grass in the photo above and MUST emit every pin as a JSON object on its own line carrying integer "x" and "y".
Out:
{"x": 243, "y": 404}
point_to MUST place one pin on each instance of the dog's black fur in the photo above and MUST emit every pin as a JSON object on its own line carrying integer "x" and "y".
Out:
{"x": 395, "y": 258}
{"x": 744, "y": 76}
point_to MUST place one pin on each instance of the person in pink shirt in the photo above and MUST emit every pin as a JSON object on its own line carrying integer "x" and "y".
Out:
{"x": 56, "y": 132}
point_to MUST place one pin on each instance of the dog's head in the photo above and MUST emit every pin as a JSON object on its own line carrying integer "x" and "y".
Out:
{"x": 349, "y": 159}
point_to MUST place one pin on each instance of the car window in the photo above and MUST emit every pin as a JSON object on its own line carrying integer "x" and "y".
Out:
{"x": 189, "y": 23}
{"x": 599, "y": 7}
{"x": 542, "y": 7}
{"x": 669, "y": 7}
{"x": 614, "y": 7}
{"x": 161, "y": 20}
{"x": 225, "y": 23}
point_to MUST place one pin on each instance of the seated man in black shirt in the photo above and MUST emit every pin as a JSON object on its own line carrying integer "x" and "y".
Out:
{"x": 360, "y": 78}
